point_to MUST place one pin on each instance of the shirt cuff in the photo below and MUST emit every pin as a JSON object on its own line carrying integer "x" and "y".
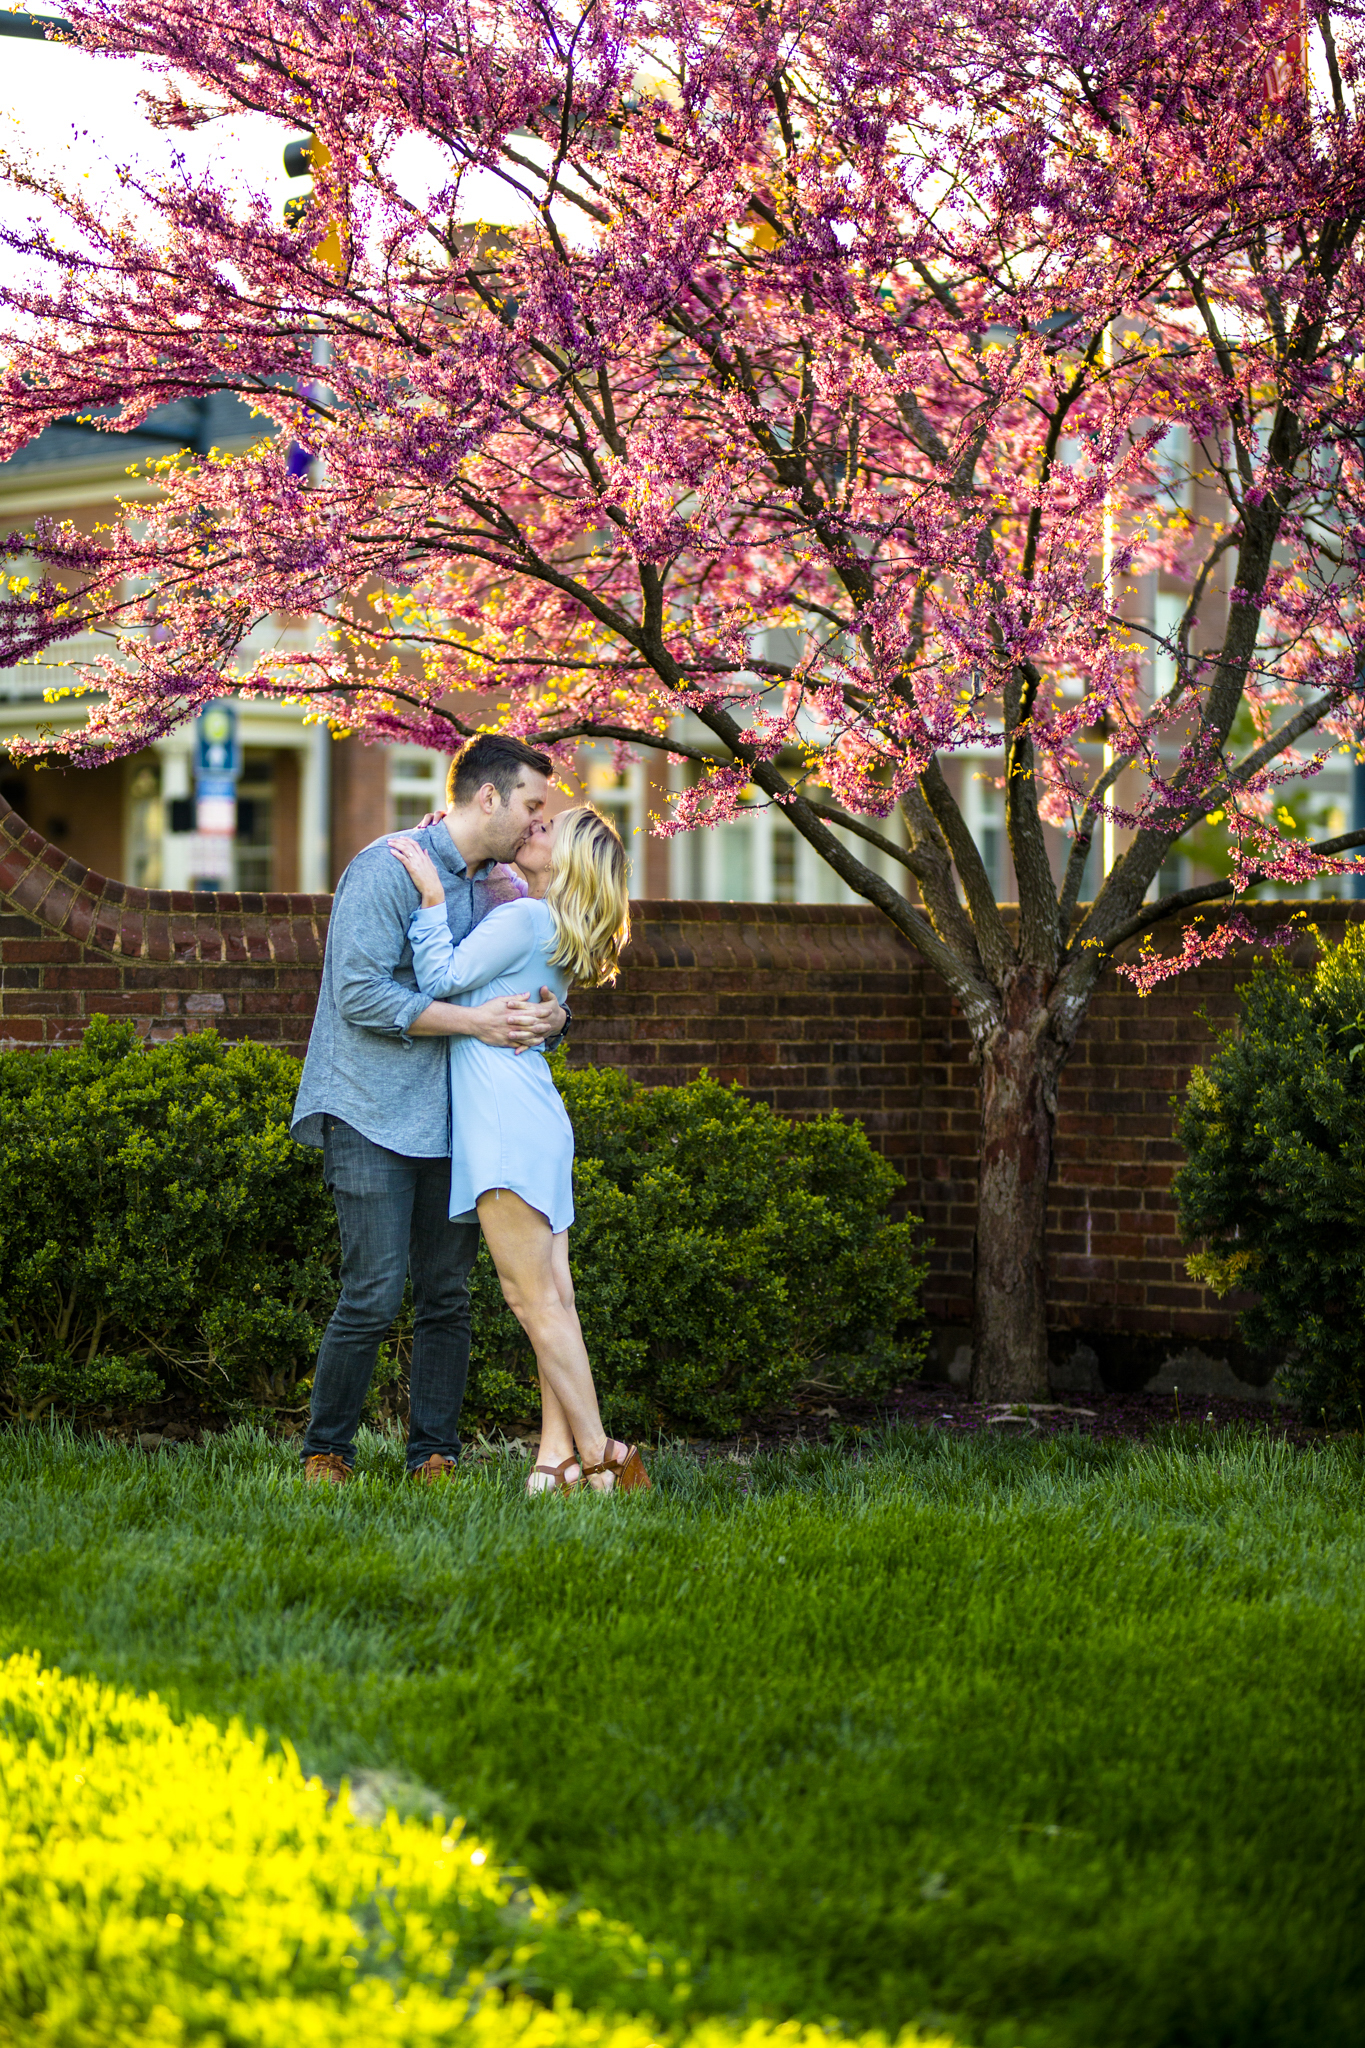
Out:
{"x": 413, "y": 1007}
{"x": 428, "y": 917}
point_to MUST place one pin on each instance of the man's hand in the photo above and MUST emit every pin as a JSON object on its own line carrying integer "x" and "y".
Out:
{"x": 513, "y": 1021}
{"x": 542, "y": 1020}
{"x": 507, "y": 1020}
{"x": 502, "y": 1022}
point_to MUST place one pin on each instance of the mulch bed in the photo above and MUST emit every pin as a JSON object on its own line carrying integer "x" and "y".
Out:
{"x": 825, "y": 1418}
{"x": 939, "y": 1406}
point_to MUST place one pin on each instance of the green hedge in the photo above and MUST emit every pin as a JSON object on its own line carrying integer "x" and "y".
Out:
{"x": 721, "y": 1256}
{"x": 157, "y": 1224}
{"x": 161, "y": 1230}
{"x": 1274, "y": 1132}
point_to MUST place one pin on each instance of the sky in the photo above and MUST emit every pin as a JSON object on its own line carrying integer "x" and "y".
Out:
{"x": 79, "y": 113}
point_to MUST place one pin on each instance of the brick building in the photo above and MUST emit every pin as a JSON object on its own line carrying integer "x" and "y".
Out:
{"x": 307, "y": 802}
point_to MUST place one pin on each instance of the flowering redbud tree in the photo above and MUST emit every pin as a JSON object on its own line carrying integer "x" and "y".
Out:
{"x": 816, "y": 398}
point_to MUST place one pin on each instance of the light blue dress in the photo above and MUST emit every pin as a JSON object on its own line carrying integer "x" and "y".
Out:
{"x": 508, "y": 1126}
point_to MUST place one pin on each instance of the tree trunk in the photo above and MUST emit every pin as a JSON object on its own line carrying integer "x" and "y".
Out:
{"x": 1019, "y": 1068}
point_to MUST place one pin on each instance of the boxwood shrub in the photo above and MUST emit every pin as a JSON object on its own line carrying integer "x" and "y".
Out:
{"x": 721, "y": 1256}
{"x": 159, "y": 1230}
{"x": 157, "y": 1224}
{"x": 1274, "y": 1180}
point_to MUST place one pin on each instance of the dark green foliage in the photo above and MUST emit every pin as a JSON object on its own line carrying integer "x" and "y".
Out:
{"x": 158, "y": 1223}
{"x": 1274, "y": 1129}
{"x": 721, "y": 1255}
{"x": 1057, "y": 1743}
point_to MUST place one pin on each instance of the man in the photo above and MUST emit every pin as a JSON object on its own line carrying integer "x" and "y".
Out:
{"x": 375, "y": 1097}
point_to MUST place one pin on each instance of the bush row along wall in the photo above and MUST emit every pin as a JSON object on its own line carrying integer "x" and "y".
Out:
{"x": 808, "y": 1007}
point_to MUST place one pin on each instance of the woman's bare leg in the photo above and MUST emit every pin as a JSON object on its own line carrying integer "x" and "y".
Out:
{"x": 556, "y": 1437}
{"x": 535, "y": 1283}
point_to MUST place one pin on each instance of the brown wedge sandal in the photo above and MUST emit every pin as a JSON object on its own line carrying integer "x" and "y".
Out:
{"x": 555, "y": 1474}
{"x": 629, "y": 1470}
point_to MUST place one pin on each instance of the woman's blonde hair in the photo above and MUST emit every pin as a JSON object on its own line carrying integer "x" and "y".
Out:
{"x": 588, "y": 896}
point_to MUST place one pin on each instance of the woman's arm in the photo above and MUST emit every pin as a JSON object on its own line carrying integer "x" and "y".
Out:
{"x": 497, "y": 945}
{"x": 443, "y": 968}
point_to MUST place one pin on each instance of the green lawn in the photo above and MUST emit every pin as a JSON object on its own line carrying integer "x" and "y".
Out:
{"x": 1053, "y": 1743}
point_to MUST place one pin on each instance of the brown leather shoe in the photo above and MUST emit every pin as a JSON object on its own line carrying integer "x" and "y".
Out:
{"x": 435, "y": 1468}
{"x": 325, "y": 1468}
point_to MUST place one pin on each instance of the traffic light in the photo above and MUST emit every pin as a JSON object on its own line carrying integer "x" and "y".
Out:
{"x": 298, "y": 156}
{"x": 39, "y": 28}
{"x": 304, "y": 155}
{"x": 301, "y": 157}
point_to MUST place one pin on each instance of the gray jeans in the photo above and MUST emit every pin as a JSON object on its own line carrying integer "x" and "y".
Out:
{"x": 394, "y": 1217}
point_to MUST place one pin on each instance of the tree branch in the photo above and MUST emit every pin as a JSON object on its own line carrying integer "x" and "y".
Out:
{"x": 1212, "y": 892}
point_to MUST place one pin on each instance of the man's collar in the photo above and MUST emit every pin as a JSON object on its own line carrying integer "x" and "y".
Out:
{"x": 446, "y": 853}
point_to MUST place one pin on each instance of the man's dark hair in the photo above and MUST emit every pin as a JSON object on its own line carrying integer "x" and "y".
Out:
{"x": 492, "y": 757}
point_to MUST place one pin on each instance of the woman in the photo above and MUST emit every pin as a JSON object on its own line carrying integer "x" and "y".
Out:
{"x": 511, "y": 1139}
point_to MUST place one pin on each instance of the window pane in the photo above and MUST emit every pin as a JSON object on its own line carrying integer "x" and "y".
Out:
{"x": 784, "y": 864}
{"x": 991, "y": 840}
{"x": 254, "y": 865}
{"x": 736, "y": 841}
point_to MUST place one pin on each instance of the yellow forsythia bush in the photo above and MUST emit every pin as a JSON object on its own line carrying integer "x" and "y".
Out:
{"x": 165, "y": 1883}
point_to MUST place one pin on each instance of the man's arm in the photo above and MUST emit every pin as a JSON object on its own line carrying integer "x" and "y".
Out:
{"x": 507, "y": 1020}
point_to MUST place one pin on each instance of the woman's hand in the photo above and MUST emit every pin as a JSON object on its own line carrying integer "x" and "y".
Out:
{"x": 422, "y": 868}
{"x": 431, "y": 818}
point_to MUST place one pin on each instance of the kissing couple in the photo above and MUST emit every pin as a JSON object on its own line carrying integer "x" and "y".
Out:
{"x": 426, "y": 1087}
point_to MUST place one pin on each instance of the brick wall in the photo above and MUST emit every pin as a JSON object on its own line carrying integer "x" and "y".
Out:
{"x": 73, "y": 944}
{"x": 814, "y": 1008}
{"x": 810, "y": 1008}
